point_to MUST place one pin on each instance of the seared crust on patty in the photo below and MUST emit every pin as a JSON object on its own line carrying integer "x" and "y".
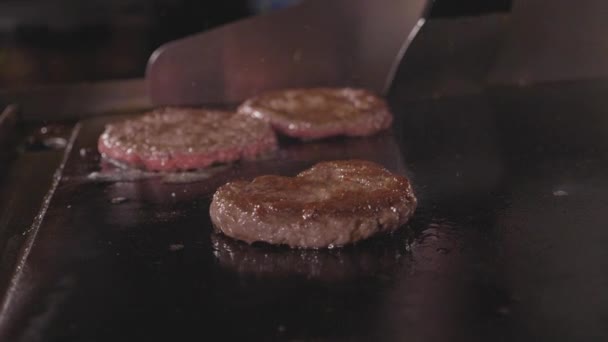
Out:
{"x": 174, "y": 139}
{"x": 321, "y": 112}
{"x": 331, "y": 204}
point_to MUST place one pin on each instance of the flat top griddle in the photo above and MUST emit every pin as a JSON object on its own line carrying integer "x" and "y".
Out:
{"x": 509, "y": 241}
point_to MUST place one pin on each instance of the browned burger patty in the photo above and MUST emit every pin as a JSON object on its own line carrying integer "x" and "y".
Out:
{"x": 331, "y": 204}
{"x": 321, "y": 112}
{"x": 174, "y": 139}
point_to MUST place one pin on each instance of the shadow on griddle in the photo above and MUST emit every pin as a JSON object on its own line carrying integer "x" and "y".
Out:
{"x": 375, "y": 257}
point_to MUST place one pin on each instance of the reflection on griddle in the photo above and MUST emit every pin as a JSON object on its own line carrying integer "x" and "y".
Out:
{"x": 376, "y": 257}
{"x": 113, "y": 171}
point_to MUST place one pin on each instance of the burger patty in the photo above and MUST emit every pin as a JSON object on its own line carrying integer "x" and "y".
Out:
{"x": 321, "y": 112}
{"x": 173, "y": 139}
{"x": 331, "y": 204}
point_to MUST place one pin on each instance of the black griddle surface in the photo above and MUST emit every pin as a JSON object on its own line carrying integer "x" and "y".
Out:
{"x": 509, "y": 242}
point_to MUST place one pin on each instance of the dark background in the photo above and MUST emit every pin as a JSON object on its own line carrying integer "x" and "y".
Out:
{"x": 44, "y": 42}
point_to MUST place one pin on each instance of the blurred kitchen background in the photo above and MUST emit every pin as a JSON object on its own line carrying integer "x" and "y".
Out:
{"x": 47, "y": 42}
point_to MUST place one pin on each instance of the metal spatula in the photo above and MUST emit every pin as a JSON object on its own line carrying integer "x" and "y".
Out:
{"x": 316, "y": 43}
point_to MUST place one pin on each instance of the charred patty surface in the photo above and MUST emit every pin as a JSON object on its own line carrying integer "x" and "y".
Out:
{"x": 173, "y": 139}
{"x": 321, "y": 112}
{"x": 331, "y": 204}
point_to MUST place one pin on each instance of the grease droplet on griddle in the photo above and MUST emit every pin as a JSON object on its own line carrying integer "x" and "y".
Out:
{"x": 560, "y": 193}
{"x": 176, "y": 247}
{"x": 118, "y": 200}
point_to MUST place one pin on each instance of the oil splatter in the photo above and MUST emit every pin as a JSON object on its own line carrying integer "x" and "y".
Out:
{"x": 119, "y": 200}
{"x": 176, "y": 247}
{"x": 560, "y": 193}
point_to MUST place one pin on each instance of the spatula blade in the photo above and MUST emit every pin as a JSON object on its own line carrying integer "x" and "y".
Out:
{"x": 316, "y": 43}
